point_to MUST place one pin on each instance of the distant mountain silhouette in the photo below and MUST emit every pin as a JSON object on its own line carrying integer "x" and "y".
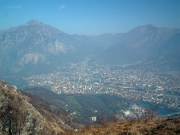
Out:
{"x": 144, "y": 43}
{"x": 36, "y": 47}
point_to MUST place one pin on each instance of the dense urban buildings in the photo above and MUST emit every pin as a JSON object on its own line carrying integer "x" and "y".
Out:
{"x": 157, "y": 86}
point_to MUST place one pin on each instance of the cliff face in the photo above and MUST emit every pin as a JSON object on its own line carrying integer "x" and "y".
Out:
{"x": 27, "y": 115}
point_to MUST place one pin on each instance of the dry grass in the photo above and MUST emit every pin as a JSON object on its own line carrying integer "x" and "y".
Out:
{"x": 158, "y": 126}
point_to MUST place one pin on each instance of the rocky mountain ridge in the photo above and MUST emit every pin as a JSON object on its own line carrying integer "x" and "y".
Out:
{"x": 31, "y": 43}
{"x": 35, "y": 45}
{"x": 145, "y": 43}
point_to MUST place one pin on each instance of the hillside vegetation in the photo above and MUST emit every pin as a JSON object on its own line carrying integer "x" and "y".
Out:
{"x": 156, "y": 126}
{"x": 83, "y": 106}
{"x": 28, "y": 115}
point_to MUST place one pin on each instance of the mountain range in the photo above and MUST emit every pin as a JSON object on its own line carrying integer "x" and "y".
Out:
{"x": 36, "y": 47}
{"x": 145, "y": 43}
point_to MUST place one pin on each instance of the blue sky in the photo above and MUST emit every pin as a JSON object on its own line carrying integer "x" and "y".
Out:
{"x": 91, "y": 17}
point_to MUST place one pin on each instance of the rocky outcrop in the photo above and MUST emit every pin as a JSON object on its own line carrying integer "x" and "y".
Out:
{"x": 25, "y": 114}
{"x": 17, "y": 116}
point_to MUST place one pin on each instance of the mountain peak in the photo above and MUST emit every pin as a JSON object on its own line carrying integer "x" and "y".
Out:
{"x": 149, "y": 27}
{"x": 34, "y": 22}
{"x": 144, "y": 29}
{"x": 43, "y": 26}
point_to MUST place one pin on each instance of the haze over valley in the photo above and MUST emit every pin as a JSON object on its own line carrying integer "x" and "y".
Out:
{"x": 90, "y": 62}
{"x": 141, "y": 65}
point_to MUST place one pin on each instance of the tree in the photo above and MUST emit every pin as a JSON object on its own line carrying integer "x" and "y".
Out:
{"x": 12, "y": 118}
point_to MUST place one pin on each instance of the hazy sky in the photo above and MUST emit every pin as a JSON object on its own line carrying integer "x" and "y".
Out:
{"x": 91, "y": 16}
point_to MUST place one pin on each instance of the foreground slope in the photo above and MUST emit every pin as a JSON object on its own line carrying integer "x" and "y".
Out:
{"x": 156, "y": 126}
{"x": 18, "y": 116}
